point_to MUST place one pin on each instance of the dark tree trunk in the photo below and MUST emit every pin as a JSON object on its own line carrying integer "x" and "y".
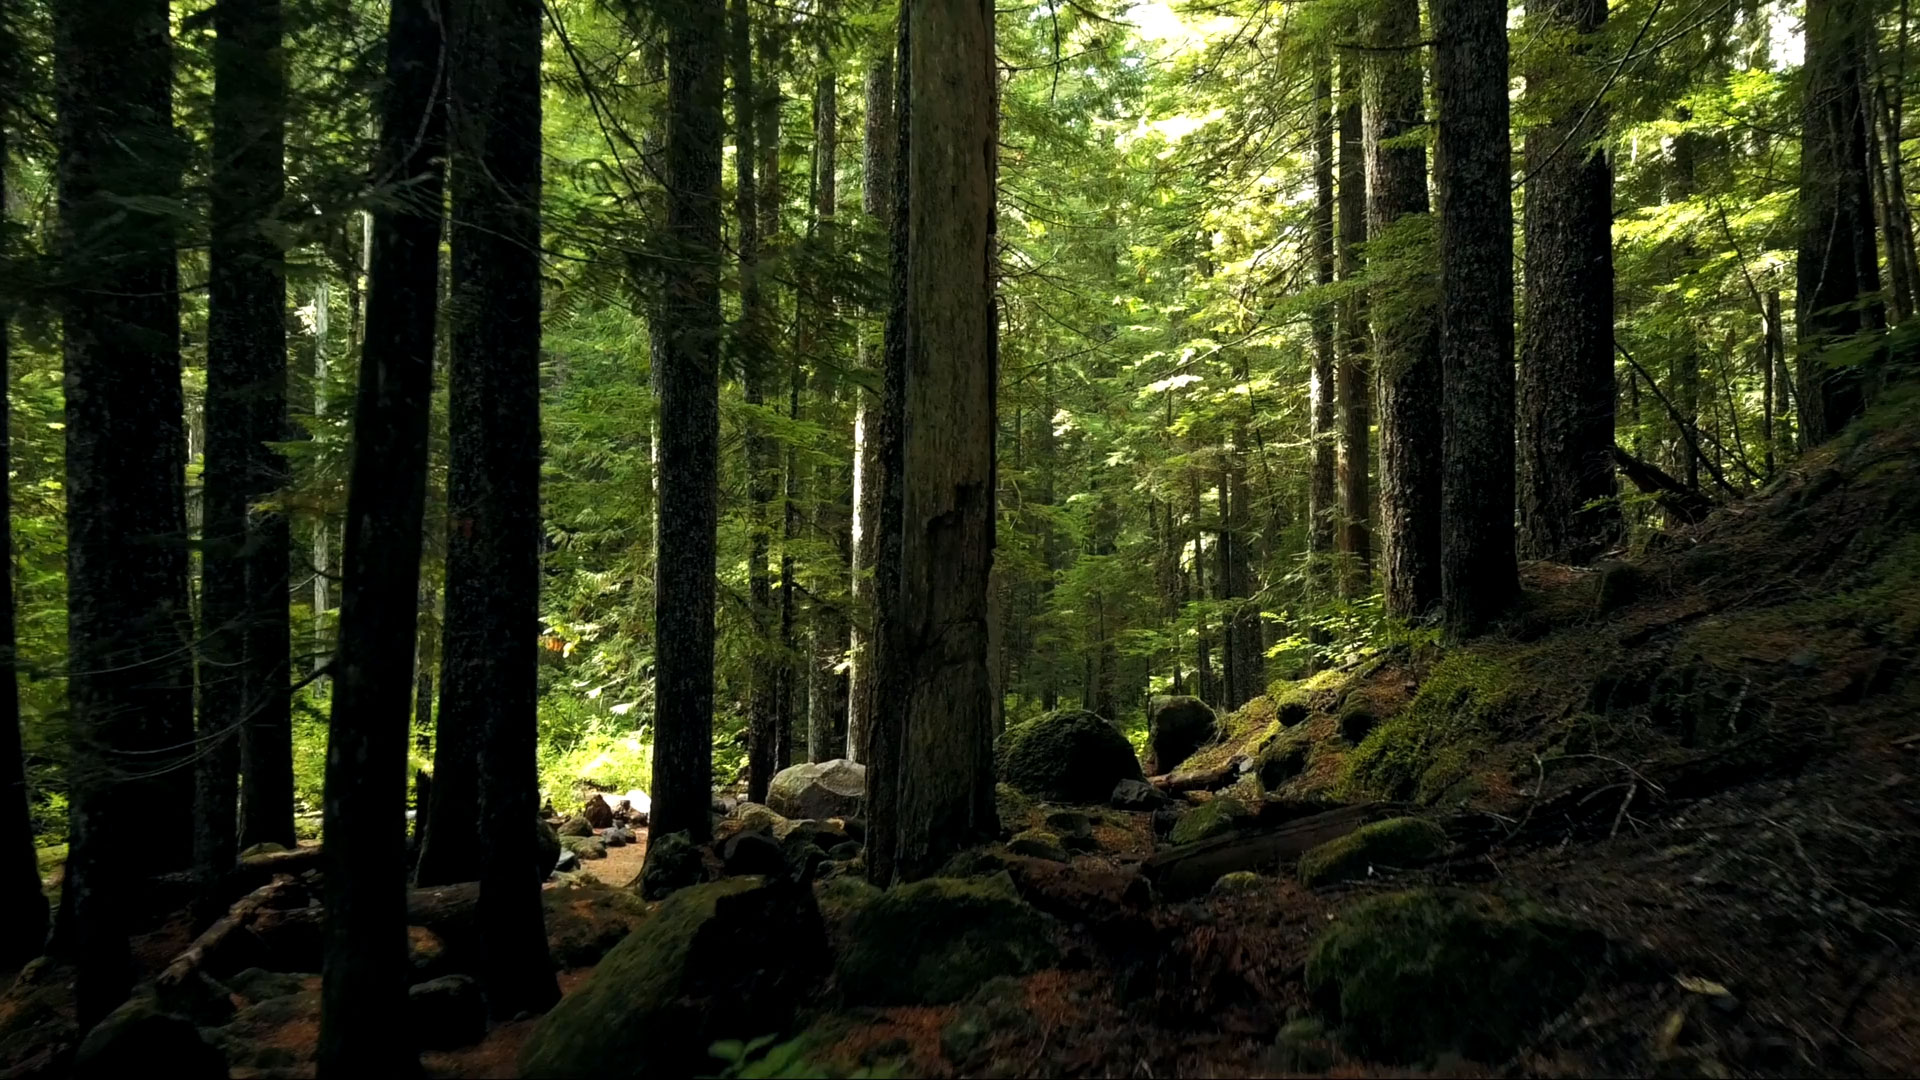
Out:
{"x": 826, "y": 627}
{"x": 245, "y": 720}
{"x": 1472, "y": 174}
{"x": 364, "y": 1029}
{"x": 1355, "y": 375}
{"x": 1406, "y": 341}
{"x": 931, "y": 779}
{"x": 130, "y": 691}
{"x": 753, "y": 341}
{"x": 488, "y": 661}
{"x": 23, "y": 907}
{"x": 877, "y": 189}
{"x": 1322, "y": 466}
{"x": 689, "y": 427}
{"x": 1838, "y": 268}
{"x": 1566, "y": 386}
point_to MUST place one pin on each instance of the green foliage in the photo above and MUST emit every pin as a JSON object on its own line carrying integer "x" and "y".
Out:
{"x": 768, "y": 1058}
{"x": 931, "y": 942}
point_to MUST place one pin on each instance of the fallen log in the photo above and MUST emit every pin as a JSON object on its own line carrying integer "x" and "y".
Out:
{"x": 220, "y": 936}
{"x": 1191, "y": 869}
{"x": 297, "y": 861}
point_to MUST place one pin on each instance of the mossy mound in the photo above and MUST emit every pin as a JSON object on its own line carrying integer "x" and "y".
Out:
{"x": 1069, "y": 755}
{"x": 1239, "y": 882}
{"x": 1396, "y": 842}
{"x": 1177, "y": 727}
{"x": 674, "y": 861}
{"x": 1284, "y": 758}
{"x": 1433, "y": 743}
{"x": 1410, "y": 976}
{"x": 1038, "y": 844}
{"x": 729, "y": 959}
{"x": 585, "y": 922}
{"x": 1217, "y": 817}
{"x": 933, "y": 941}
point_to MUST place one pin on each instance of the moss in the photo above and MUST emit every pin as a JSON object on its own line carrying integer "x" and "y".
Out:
{"x": 1432, "y": 743}
{"x": 1216, "y": 818}
{"x": 1284, "y": 759}
{"x": 729, "y": 959}
{"x": 1410, "y": 976}
{"x": 1396, "y": 842}
{"x": 1038, "y": 844}
{"x": 1241, "y": 731}
{"x": 585, "y": 922}
{"x": 1070, "y": 755}
{"x": 1239, "y": 881}
{"x": 933, "y": 941}
{"x": 1015, "y": 809}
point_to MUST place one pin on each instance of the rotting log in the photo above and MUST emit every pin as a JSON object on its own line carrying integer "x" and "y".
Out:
{"x": 1191, "y": 869}
{"x": 218, "y": 937}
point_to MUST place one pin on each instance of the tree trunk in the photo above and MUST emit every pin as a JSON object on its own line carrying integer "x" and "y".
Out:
{"x": 1472, "y": 178}
{"x": 932, "y": 739}
{"x": 755, "y": 359}
{"x": 1566, "y": 385}
{"x": 689, "y": 428}
{"x": 23, "y": 907}
{"x": 489, "y": 667}
{"x": 130, "y": 691}
{"x": 364, "y": 1027}
{"x": 1321, "y": 440}
{"x": 826, "y": 628}
{"x": 1355, "y": 375}
{"x": 1838, "y": 267}
{"x": 1406, "y": 342}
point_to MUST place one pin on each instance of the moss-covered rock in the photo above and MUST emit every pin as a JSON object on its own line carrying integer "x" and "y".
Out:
{"x": 1016, "y": 810}
{"x": 932, "y": 942}
{"x": 1176, "y": 727}
{"x": 1215, "y": 818}
{"x": 729, "y": 959}
{"x": 1425, "y": 748}
{"x": 585, "y": 922}
{"x": 577, "y": 825}
{"x": 1283, "y": 759}
{"x": 140, "y": 1034}
{"x": 1239, "y": 882}
{"x": 674, "y": 861}
{"x": 587, "y": 847}
{"x": 546, "y": 847}
{"x": 1038, "y": 844}
{"x": 1069, "y": 755}
{"x": 1357, "y": 721}
{"x": 753, "y": 817}
{"x": 1396, "y": 842}
{"x": 1409, "y": 976}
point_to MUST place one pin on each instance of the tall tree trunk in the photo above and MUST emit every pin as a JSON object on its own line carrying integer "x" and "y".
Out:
{"x": 1472, "y": 170}
{"x": 1838, "y": 267}
{"x": 130, "y": 691}
{"x": 689, "y": 427}
{"x": 753, "y": 341}
{"x": 489, "y": 666}
{"x": 1406, "y": 342}
{"x": 1566, "y": 387}
{"x": 23, "y": 907}
{"x": 877, "y": 186}
{"x": 932, "y": 739}
{"x": 1323, "y": 448}
{"x": 826, "y": 629}
{"x": 1355, "y": 537}
{"x": 364, "y": 1030}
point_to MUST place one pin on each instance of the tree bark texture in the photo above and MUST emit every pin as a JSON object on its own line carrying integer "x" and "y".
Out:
{"x": 877, "y": 179}
{"x": 1566, "y": 384}
{"x": 935, "y": 690}
{"x": 1838, "y": 269}
{"x": 1472, "y": 174}
{"x": 689, "y": 427}
{"x": 827, "y": 625}
{"x": 1322, "y": 465}
{"x": 1354, "y": 538}
{"x": 129, "y": 627}
{"x": 1406, "y": 342}
{"x": 364, "y": 1029}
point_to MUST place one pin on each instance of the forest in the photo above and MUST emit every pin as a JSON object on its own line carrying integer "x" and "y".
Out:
{"x": 563, "y": 538}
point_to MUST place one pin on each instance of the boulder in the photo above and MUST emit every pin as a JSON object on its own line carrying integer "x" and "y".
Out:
{"x": 587, "y": 847}
{"x": 586, "y": 920}
{"x": 1176, "y": 727}
{"x": 1136, "y": 795}
{"x": 931, "y": 942}
{"x": 1038, "y": 844}
{"x": 821, "y": 789}
{"x": 1217, "y": 818}
{"x": 1069, "y": 755}
{"x": 1292, "y": 713}
{"x": 138, "y": 1036}
{"x": 673, "y": 862}
{"x": 1239, "y": 882}
{"x": 753, "y": 853}
{"x": 754, "y": 817}
{"x": 567, "y": 863}
{"x": 577, "y": 825}
{"x": 1396, "y": 842}
{"x": 426, "y": 953}
{"x": 1075, "y": 830}
{"x": 804, "y": 861}
{"x": 808, "y": 831}
{"x": 638, "y": 805}
{"x": 597, "y": 812}
{"x": 447, "y": 1012}
{"x": 1412, "y": 976}
{"x": 617, "y": 836}
{"x": 1283, "y": 759}
{"x": 546, "y": 848}
{"x": 731, "y": 959}
{"x": 1357, "y": 721}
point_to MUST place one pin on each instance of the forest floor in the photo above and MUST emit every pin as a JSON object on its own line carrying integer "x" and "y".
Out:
{"x": 1709, "y": 755}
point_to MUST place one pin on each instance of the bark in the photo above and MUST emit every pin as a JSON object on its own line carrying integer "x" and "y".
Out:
{"x": 245, "y": 720}
{"x": 1355, "y": 374}
{"x": 1406, "y": 342}
{"x": 1566, "y": 385}
{"x": 826, "y": 628}
{"x": 1838, "y": 269}
{"x": 689, "y": 428}
{"x": 1472, "y": 165}
{"x": 936, "y": 713}
{"x": 363, "y": 1019}
{"x": 129, "y": 628}
{"x": 753, "y": 341}
{"x": 488, "y": 660}
{"x": 1321, "y": 470}
{"x": 23, "y": 907}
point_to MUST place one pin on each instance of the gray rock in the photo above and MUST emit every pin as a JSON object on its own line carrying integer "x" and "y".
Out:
{"x": 825, "y": 789}
{"x": 447, "y": 1012}
{"x": 618, "y": 836}
{"x": 1136, "y": 795}
{"x": 567, "y": 863}
{"x": 577, "y": 825}
{"x": 1176, "y": 727}
{"x": 587, "y": 847}
{"x": 597, "y": 812}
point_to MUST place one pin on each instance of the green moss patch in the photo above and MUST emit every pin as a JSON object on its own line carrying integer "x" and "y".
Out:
{"x": 1425, "y": 748}
{"x": 931, "y": 942}
{"x": 1215, "y": 818}
{"x": 1410, "y": 976}
{"x": 1397, "y": 842}
{"x": 1069, "y": 755}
